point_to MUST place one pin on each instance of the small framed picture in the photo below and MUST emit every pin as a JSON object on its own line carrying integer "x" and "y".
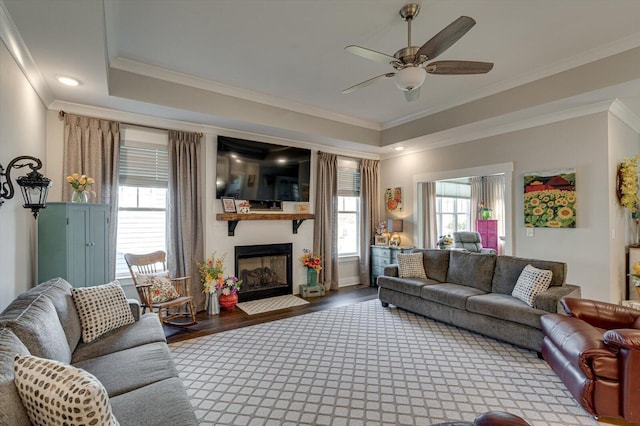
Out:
{"x": 228, "y": 204}
{"x": 381, "y": 240}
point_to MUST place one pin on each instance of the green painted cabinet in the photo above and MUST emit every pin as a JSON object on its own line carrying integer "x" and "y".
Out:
{"x": 73, "y": 243}
{"x": 382, "y": 256}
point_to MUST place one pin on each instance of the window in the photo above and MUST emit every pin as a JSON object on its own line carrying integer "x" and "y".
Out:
{"x": 348, "y": 207}
{"x": 453, "y": 206}
{"x": 142, "y": 198}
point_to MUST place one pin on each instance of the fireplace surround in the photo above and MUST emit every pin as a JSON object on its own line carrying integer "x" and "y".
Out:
{"x": 266, "y": 270}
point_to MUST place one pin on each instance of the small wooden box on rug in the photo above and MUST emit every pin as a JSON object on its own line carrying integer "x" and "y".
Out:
{"x": 307, "y": 290}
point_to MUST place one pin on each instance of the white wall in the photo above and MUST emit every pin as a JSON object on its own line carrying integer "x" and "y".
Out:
{"x": 580, "y": 143}
{"x": 22, "y": 132}
{"x": 624, "y": 142}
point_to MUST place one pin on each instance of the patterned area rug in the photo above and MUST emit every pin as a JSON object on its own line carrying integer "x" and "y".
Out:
{"x": 271, "y": 304}
{"x": 366, "y": 365}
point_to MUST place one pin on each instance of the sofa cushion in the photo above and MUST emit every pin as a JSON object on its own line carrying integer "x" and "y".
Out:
{"x": 171, "y": 405}
{"x": 410, "y": 265}
{"x": 454, "y": 295}
{"x": 162, "y": 290}
{"x": 506, "y": 307}
{"x": 436, "y": 263}
{"x": 59, "y": 291}
{"x": 471, "y": 269}
{"x": 136, "y": 367}
{"x": 531, "y": 282}
{"x": 508, "y": 269}
{"x": 101, "y": 309}
{"x": 147, "y": 330}
{"x": 13, "y": 412}
{"x": 410, "y": 286}
{"x": 56, "y": 393}
{"x": 34, "y": 320}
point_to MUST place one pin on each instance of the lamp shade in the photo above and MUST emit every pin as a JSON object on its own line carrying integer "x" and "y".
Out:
{"x": 410, "y": 78}
{"x": 394, "y": 225}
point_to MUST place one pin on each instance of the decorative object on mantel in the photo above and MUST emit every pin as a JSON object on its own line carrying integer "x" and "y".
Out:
{"x": 243, "y": 206}
{"x": 228, "y": 204}
{"x": 550, "y": 199}
{"x": 484, "y": 210}
{"x": 81, "y": 185}
{"x": 627, "y": 191}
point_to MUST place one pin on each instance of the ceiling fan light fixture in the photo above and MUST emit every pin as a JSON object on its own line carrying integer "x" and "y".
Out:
{"x": 410, "y": 78}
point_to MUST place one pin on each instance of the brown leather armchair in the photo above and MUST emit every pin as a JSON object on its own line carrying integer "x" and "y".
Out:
{"x": 596, "y": 353}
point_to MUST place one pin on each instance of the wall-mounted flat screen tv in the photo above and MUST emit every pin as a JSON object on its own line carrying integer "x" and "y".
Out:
{"x": 258, "y": 171}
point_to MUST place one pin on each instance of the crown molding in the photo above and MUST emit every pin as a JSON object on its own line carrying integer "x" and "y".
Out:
{"x": 620, "y": 110}
{"x": 18, "y": 49}
{"x": 497, "y": 126}
{"x": 136, "y": 67}
{"x": 589, "y": 56}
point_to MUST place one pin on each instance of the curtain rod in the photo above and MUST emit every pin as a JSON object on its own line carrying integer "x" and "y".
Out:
{"x": 62, "y": 113}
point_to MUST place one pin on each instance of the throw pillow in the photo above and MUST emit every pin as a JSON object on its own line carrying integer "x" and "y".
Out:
{"x": 101, "y": 309}
{"x": 410, "y": 265}
{"x": 161, "y": 288}
{"x": 531, "y": 282}
{"x": 54, "y": 393}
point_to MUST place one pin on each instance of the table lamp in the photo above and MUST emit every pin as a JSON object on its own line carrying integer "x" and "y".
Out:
{"x": 393, "y": 227}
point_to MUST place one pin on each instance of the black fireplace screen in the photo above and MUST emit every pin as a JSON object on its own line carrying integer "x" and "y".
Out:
{"x": 264, "y": 269}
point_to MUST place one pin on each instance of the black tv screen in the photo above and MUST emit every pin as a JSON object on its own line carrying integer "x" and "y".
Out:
{"x": 249, "y": 170}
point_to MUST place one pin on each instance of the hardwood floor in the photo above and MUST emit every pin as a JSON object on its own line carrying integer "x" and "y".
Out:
{"x": 229, "y": 320}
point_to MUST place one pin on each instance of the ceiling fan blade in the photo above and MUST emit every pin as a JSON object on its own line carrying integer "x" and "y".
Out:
{"x": 372, "y": 55}
{"x": 368, "y": 82}
{"x": 446, "y": 38}
{"x": 412, "y": 95}
{"x": 459, "y": 67}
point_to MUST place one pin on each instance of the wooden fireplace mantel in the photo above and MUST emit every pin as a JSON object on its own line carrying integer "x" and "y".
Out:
{"x": 233, "y": 219}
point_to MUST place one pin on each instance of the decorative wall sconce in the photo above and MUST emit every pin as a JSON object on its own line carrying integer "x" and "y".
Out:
{"x": 34, "y": 185}
{"x": 393, "y": 227}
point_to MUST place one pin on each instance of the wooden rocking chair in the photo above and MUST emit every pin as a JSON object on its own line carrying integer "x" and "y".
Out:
{"x": 153, "y": 263}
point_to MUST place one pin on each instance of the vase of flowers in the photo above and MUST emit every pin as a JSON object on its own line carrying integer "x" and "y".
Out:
{"x": 444, "y": 241}
{"x": 211, "y": 275}
{"x": 228, "y": 292}
{"x": 484, "y": 210}
{"x": 81, "y": 185}
{"x": 313, "y": 265}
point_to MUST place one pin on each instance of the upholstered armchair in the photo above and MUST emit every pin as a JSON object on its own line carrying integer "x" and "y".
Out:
{"x": 470, "y": 241}
{"x": 595, "y": 351}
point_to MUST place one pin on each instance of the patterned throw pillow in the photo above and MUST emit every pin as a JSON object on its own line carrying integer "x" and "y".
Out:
{"x": 531, "y": 282}
{"x": 410, "y": 265}
{"x": 54, "y": 393}
{"x": 101, "y": 308}
{"x": 161, "y": 288}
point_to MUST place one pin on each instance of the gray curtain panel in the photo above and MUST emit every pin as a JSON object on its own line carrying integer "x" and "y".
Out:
{"x": 184, "y": 213}
{"x": 427, "y": 213}
{"x": 325, "y": 242}
{"x": 92, "y": 148}
{"x": 477, "y": 195}
{"x": 369, "y": 213}
{"x": 494, "y": 191}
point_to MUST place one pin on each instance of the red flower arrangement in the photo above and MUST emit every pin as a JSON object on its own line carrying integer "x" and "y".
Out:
{"x": 311, "y": 261}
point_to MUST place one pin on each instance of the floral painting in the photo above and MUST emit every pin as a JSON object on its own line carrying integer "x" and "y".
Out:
{"x": 550, "y": 199}
{"x": 393, "y": 199}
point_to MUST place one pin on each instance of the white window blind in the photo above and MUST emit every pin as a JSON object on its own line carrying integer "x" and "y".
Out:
{"x": 348, "y": 177}
{"x": 144, "y": 166}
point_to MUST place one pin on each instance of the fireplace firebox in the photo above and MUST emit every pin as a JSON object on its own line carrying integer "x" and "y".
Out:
{"x": 265, "y": 270}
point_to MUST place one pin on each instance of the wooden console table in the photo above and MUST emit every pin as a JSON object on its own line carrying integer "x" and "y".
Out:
{"x": 233, "y": 219}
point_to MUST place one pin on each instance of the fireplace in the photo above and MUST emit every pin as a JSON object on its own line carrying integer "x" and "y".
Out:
{"x": 265, "y": 270}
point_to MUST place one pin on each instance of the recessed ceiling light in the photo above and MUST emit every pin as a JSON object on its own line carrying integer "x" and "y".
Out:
{"x": 67, "y": 81}
{"x": 399, "y": 148}
{"x": 282, "y": 160}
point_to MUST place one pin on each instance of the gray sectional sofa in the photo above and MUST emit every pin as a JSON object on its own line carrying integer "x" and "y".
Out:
{"x": 132, "y": 362}
{"x": 473, "y": 291}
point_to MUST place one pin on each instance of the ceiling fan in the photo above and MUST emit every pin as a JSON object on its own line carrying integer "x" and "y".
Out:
{"x": 408, "y": 61}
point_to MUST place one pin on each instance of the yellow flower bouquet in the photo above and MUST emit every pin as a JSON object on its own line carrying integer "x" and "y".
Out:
{"x": 211, "y": 273}
{"x": 81, "y": 185}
